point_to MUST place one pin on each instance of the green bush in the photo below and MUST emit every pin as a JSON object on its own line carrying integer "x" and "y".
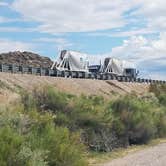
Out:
{"x": 79, "y": 114}
{"x": 133, "y": 120}
{"x": 45, "y": 99}
{"x": 31, "y": 138}
{"x": 10, "y": 144}
{"x": 90, "y": 116}
{"x": 102, "y": 125}
{"x": 159, "y": 116}
{"x": 160, "y": 91}
{"x": 63, "y": 148}
{"x": 162, "y": 99}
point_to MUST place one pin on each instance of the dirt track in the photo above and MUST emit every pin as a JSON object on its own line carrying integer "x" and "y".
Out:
{"x": 153, "y": 156}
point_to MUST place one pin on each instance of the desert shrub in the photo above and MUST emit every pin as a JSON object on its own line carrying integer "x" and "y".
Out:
{"x": 88, "y": 114}
{"x": 160, "y": 91}
{"x": 10, "y": 144}
{"x": 31, "y": 158}
{"x": 28, "y": 101}
{"x": 162, "y": 99}
{"x": 159, "y": 116}
{"x": 85, "y": 114}
{"x": 15, "y": 119}
{"x": 62, "y": 146}
{"x": 45, "y": 99}
{"x": 31, "y": 138}
{"x": 102, "y": 125}
{"x": 133, "y": 120}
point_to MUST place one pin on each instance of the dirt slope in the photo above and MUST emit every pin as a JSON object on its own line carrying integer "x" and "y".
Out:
{"x": 107, "y": 89}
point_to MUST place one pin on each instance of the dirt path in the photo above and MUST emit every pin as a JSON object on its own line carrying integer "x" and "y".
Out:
{"x": 153, "y": 156}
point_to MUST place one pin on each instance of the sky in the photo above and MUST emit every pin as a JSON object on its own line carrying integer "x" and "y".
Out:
{"x": 133, "y": 30}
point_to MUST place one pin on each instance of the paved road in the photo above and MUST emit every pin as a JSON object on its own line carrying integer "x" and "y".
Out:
{"x": 153, "y": 156}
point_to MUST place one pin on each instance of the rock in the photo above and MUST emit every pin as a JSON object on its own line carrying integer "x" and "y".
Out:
{"x": 25, "y": 59}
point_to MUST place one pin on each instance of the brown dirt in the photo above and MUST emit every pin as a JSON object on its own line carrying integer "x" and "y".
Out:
{"x": 107, "y": 89}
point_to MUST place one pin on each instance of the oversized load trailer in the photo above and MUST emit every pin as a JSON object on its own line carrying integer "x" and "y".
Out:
{"x": 73, "y": 61}
{"x": 119, "y": 67}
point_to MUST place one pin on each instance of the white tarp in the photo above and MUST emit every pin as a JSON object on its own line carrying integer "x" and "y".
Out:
{"x": 73, "y": 61}
{"x": 117, "y": 66}
{"x": 76, "y": 61}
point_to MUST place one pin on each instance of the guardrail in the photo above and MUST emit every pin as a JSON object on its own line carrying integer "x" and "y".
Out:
{"x": 13, "y": 68}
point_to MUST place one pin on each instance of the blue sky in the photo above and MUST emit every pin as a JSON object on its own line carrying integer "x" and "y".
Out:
{"x": 126, "y": 29}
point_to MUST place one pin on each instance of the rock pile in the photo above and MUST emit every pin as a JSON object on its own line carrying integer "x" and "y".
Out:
{"x": 26, "y": 59}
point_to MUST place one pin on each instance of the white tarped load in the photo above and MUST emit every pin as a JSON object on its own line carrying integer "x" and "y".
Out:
{"x": 73, "y": 61}
{"x": 76, "y": 61}
{"x": 116, "y": 66}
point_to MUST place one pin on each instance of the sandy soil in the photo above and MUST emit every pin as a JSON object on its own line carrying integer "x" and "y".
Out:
{"x": 153, "y": 156}
{"x": 106, "y": 89}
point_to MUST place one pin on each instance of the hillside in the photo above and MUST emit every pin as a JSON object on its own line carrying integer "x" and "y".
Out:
{"x": 26, "y": 59}
{"x": 9, "y": 82}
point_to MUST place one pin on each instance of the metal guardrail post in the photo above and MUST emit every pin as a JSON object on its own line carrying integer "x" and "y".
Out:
{"x": 47, "y": 72}
{"x": 66, "y": 74}
{"x": 138, "y": 80}
{"x": 1, "y": 67}
{"x": 104, "y": 77}
{"x": 143, "y": 80}
{"x": 20, "y": 69}
{"x": 33, "y": 71}
{"x": 13, "y": 68}
{"x": 40, "y": 71}
{"x": 59, "y": 73}
{"x": 86, "y": 75}
{"x": 132, "y": 79}
{"x": 81, "y": 74}
{"x": 113, "y": 77}
{"x": 98, "y": 76}
{"x": 123, "y": 78}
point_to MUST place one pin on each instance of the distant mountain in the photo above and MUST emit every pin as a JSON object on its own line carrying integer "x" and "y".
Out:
{"x": 25, "y": 58}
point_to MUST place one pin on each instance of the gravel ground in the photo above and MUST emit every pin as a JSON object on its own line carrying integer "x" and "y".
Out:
{"x": 153, "y": 156}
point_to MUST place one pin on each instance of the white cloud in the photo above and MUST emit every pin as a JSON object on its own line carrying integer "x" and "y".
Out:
{"x": 123, "y": 33}
{"x": 7, "y": 19}
{"x": 148, "y": 55}
{"x": 7, "y": 45}
{"x": 74, "y": 15}
{"x": 3, "y": 4}
{"x": 92, "y": 15}
{"x": 16, "y": 29}
{"x": 2, "y": 19}
{"x": 60, "y": 43}
{"x": 154, "y": 12}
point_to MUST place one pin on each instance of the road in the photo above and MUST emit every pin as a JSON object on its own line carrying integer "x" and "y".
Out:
{"x": 152, "y": 156}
